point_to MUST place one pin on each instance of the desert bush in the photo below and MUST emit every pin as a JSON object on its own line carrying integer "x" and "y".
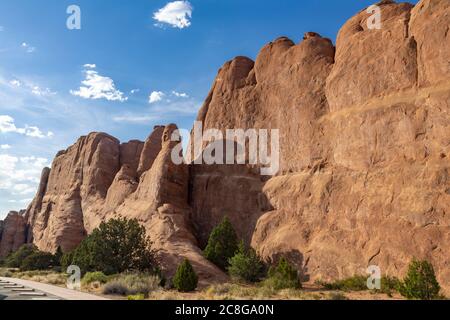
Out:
{"x": 38, "y": 261}
{"x": 245, "y": 265}
{"x": 389, "y": 285}
{"x": 136, "y": 297}
{"x": 6, "y": 273}
{"x": 222, "y": 244}
{"x": 117, "y": 246}
{"x": 28, "y": 257}
{"x": 15, "y": 259}
{"x": 132, "y": 284}
{"x": 97, "y": 276}
{"x": 58, "y": 256}
{"x": 420, "y": 282}
{"x": 50, "y": 278}
{"x": 115, "y": 287}
{"x": 337, "y": 296}
{"x": 66, "y": 260}
{"x": 355, "y": 283}
{"x": 282, "y": 276}
{"x": 185, "y": 278}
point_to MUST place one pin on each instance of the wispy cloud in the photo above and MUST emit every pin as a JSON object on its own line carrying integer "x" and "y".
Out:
{"x": 5, "y": 147}
{"x": 157, "y": 96}
{"x": 42, "y": 92}
{"x": 20, "y": 175}
{"x": 7, "y": 125}
{"x": 28, "y": 48}
{"x": 136, "y": 118}
{"x": 180, "y": 105}
{"x": 177, "y": 14}
{"x": 21, "y": 201}
{"x": 184, "y": 107}
{"x": 96, "y": 86}
{"x": 33, "y": 88}
{"x": 15, "y": 83}
{"x": 180, "y": 94}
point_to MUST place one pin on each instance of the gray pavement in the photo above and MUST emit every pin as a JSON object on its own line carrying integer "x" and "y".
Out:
{"x": 9, "y": 290}
{"x": 19, "y": 289}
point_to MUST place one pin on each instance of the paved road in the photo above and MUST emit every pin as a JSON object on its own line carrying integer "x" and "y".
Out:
{"x": 18, "y": 289}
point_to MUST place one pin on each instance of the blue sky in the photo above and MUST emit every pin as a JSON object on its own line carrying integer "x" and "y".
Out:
{"x": 123, "y": 55}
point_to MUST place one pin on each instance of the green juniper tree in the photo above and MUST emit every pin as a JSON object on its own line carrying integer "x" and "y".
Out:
{"x": 222, "y": 244}
{"x": 185, "y": 279}
{"x": 115, "y": 246}
{"x": 245, "y": 265}
{"x": 420, "y": 282}
{"x": 283, "y": 276}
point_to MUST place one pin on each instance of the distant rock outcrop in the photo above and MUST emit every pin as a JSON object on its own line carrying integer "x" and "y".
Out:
{"x": 12, "y": 233}
{"x": 364, "y": 149}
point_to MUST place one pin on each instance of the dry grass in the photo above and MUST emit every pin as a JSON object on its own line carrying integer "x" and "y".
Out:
{"x": 233, "y": 291}
{"x": 49, "y": 277}
{"x": 131, "y": 285}
{"x": 227, "y": 291}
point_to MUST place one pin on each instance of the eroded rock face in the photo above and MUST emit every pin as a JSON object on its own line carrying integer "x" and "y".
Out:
{"x": 97, "y": 179}
{"x": 365, "y": 136}
{"x": 160, "y": 203}
{"x": 364, "y": 159}
{"x": 12, "y": 233}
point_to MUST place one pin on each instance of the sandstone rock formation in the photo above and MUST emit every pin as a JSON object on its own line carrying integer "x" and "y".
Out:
{"x": 364, "y": 149}
{"x": 365, "y": 139}
{"x": 99, "y": 178}
{"x": 12, "y": 233}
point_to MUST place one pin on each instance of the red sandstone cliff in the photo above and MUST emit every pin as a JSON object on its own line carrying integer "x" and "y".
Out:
{"x": 365, "y": 171}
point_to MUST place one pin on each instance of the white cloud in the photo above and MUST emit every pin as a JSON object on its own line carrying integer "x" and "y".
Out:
{"x": 41, "y": 92}
{"x": 22, "y": 188}
{"x": 20, "y": 175}
{"x": 162, "y": 111}
{"x": 90, "y": 66}
{"x": 28, "y": 48}
{"x": 133, "y": 91}
{"x": 21, "y": 201}
{"x": 180, "y": 94}
{"x": 156, "y": 96}
{"x": 15, "y": 83}
{"x": 136, "y": 118}
{"x": 7, "y": 125}
{"x": 34, "y": 89}
{"x": 176, "y": 14}
{"x": 96, "y": 86}
{"x": 185, "y": 107}
{"x": 5, "y": 146}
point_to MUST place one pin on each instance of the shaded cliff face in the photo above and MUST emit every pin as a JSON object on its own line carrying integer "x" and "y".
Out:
{"x": 97, "y": 179}
{"x": 12, "y": 233}
{"x": 364, "y": 159}
{"x": 365, "y": 141}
